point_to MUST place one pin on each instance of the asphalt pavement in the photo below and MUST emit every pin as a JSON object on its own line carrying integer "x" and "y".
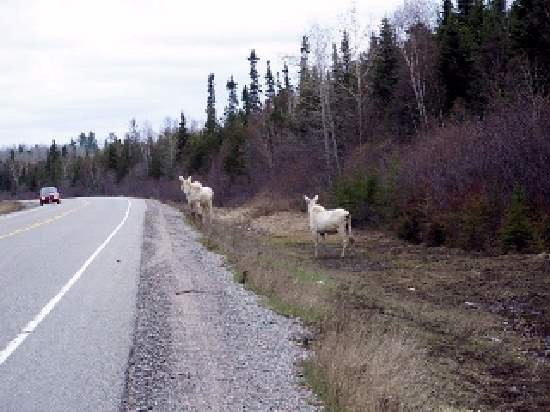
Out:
{"x": 68, "y": 283}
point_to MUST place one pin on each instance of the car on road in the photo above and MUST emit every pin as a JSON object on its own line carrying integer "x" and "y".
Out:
{"x": 49, "y": 195}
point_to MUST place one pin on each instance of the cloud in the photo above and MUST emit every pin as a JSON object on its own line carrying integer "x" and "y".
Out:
{"x": 68, "y": 66}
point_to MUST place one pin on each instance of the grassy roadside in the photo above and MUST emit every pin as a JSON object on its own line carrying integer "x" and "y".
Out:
{"x": 9, "y": 206}
{"x": 400, "y": 327}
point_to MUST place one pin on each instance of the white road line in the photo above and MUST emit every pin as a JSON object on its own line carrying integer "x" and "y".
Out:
{"x": 33, "y": 324}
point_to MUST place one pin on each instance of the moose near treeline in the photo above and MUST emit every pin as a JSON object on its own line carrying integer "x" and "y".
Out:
{"x": 199, "y": 198}
{"x": 321, "y": 221}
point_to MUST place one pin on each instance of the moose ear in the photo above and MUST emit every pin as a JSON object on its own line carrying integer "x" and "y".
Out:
{"x": 316, "y": 198}
{"x": 306, "y": 198}
{"x": 181, "y": 178}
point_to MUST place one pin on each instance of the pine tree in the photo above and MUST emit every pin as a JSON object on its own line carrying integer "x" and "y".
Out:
{"x": 211, "y": 106}
{"x": 447, "y": 11}
{"x": 336, "y": 65}
{"x": 278, "y": 83}
{"x": 233, "y": 101}
{"x": 182, "y": 138}
{"x": 246, "y": 101}
{"x": 346, "y": 59}
{"x": 464, "y": 7}
{"x": 304, "y": 65}
{"x": 530, "y": 35}
{"x": 385, "y": 66}
{"x": 286, "y": 78}
{"x": 91, "y": 143}
{"x": 270, "y": 83}
{"x": 499, "y": 6}
{"x": 255, "y": 90}
{"x": 54, "y": 165}
{"x": 456, "y": 60}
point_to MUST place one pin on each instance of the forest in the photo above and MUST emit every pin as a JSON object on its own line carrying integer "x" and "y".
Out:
{"x": 436, "y": 125}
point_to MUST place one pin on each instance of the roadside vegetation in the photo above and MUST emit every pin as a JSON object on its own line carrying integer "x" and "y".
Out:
{"x": 398, "y": 326}
{"x": 7, "y": 206}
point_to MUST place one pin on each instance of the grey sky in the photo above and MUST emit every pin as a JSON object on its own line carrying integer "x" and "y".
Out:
{"x": 68, "y": 66}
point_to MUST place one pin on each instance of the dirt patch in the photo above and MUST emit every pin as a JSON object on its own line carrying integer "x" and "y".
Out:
{"x": 480, "y": 324}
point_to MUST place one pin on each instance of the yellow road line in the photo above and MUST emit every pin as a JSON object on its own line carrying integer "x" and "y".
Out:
{"x": 43, "y": 222}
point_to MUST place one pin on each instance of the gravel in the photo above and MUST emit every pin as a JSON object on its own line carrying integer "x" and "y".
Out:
{"x": 201, "y": 341}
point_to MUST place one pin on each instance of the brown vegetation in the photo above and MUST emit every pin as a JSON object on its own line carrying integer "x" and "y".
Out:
{"x": 7, "y": 206}
{"x": 400, "y": 326}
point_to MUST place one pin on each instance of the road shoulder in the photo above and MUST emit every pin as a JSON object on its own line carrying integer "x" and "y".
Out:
{"x": 200, "y": 340}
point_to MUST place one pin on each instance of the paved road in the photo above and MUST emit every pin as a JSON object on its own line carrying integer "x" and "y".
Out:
{"x": 68, "y": 283}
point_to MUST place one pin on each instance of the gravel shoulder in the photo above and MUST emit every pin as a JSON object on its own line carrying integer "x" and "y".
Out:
{"x": 202, "y": 342}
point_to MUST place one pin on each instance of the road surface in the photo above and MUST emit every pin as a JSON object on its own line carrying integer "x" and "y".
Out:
{"x": 68, "y": 284}
{"x": 113, "y": 304}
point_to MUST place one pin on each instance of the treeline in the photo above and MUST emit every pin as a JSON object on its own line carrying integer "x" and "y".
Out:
{"x": 438, "y": 126}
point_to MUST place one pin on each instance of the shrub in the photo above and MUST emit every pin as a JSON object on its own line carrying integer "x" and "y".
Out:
{"x": 358, "y": 195}
{"x": 410, "y": 228}
{"x": 435, "y": 235}
{"x": 544, "y": 232}
{"x": 475, "y": 225}
{"x": 516, "y": 231}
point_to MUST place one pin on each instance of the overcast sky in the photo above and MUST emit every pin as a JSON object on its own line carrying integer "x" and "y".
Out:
{"x": 68, "y": 66}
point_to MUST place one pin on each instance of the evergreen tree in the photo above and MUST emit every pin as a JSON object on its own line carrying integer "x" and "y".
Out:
{"x": 255, "y": 90}
{"x": 304, "y": 65}
{"x": 464, "y": 7}
{"x": 211, "y": 106}
{"x": 182, "y": 138}
{"x": 385, "y": 66}
{"x": 499, "y": 6}
{"x": 233, "y": 101}
{"x": 286, "y": 77}
{"x": 270, "y": 83}
{"x": 457, "y": 46}
{"x": 54, "y": 165}
{"x": 447, "y": 11}
{"x": 246, "y": 101}
{"x": 91, "y": 143}
{"x": 346, "y": 59}
{"x": 278, "y": 83}
{"x": 82, "y": 140}
{"x": 336, "y": 65}
{"x": 530, "y": 33}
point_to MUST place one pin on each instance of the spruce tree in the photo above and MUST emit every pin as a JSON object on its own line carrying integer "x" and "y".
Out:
{"x": 530, "y": 35}
{"x": 304, "y": 64}
{"x": 385, "y": 65}
{"x": 447, "y": 10}
{"x": 336, "y": 65}
{"x": 270, "y": 83}
{"x": 246, "y": 101}
{"x": 211, "y": 106}
{"x": 456, "y": 60}
{"x": 286, "y": 77}
{"x": 182, "y": 138}
{"x": 278, "y": 83}
{"x": 464, "y": 7}
{"x": 255, "y": 90}
{"x": 53, "y": 165}
{"x": 346, "y": 59}
{"x": 233, "y": 101}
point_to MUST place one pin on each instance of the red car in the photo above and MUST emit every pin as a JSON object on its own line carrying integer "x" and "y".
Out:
{"x": 49, "y": 195}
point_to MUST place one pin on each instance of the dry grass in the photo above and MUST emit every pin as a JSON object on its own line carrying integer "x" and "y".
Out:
{"x": 395, "y": 331}
{"x": 372, "y": 370}
{"x": 9, "y": 206}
